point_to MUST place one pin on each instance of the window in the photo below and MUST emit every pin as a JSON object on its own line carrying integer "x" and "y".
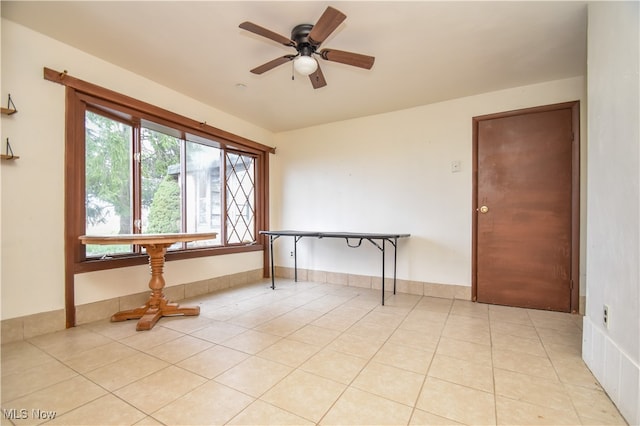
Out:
{"x": 136, "y": 168}
{"x": 178, "y": 189}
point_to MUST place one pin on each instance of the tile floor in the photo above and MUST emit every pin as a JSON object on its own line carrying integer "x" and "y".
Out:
{"x": 310, "y": 353}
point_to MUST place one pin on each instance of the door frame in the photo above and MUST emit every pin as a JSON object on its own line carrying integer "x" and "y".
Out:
{"x": 575, "y": 194}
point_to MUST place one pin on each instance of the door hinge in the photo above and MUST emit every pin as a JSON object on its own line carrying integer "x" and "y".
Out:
{"x": 571, "y": 284}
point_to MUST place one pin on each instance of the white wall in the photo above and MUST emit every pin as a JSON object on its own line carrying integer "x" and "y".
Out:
{"x": 32, "y": 221}
{"x": 392, "y": 173}
{"x": 613, "y": 211}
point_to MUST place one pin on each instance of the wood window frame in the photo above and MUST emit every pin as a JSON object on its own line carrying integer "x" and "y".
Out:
{"x": 78, "y": 95}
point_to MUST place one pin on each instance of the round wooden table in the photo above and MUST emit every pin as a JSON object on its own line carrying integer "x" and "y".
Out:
{"x": 156, "y": 246}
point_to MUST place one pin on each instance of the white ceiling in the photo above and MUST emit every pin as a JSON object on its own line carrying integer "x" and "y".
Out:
{"x": 426, "y": 51}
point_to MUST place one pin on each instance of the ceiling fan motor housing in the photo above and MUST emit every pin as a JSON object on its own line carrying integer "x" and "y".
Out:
{"x": 304, "y": 45}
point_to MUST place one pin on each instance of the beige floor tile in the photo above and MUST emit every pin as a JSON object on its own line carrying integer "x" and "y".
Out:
{"x": 415, "y": 339}
{"x": 462, "y": 372}
{"x": 100, "y": 356}
{"x": 512, "y": 329}
{"x": 575, "y": 372}
{"x": 21, "y": 356}
{"x": 356, "y": 345}
{"x": 315, "y": 335}
{"x": 468, "y": 351}
{"x": 421, "y": 325}
{"x": 127, "y": 370}
{"x": 59, "y": 398}
{"x": 435, "y": 304}
{"x": 304, "y": 394}
{"x": 531, "y": 389}
{"x": 335, "y": 321}
{"x": 179, "y": 349}
{"x": 209, "y": 404}
{"x": 186, "y": 324}
{"x": 404, "y": 357}
{"x": 571, "y": 339}
{"x": 261, "y": 413}
{"x": 66, "y": 343}
{"x": 21, "y": 383}
{"x": 390, "y": 382}
{"x": 426, "y": 316}
{"x": 468, "y": 308}
{"x": 143, "y": 340}
{"x": 555, "y": 320}
{"x": 356, "y": 407}
{"x": 219, "y": 331}
{"x": 113, "y": 330}
{"x": 508, "y": 314}
{"x": 107, "y": 410}
{"x": 563, "y": 352}
{"x": 524, "y": 363}
{"x": 160, "y": 388}
{"x": 366, "y": 363}
{"x": 594, "y": 405}
{"x": 511, "y": 412}
{"x": 251, "y": 341}
{"x": 424, "y": 418}
{"x": 148, "y": 421}
{"x": 337, "y": 366}
{"x": 289, "y": 352}
{"x": 301, "y": 315}
{"x": 280, "y": 326}
{"x": 475, "y": 333}
{"x": 385, "y": 317}
{"x": 372, "y": 330}
{"x": 254, "y": 376}
{"x": 254, "y": 318}
{"x": 213, "y": 361}
{"x": 518, "y": 344}
{"x": 456, "y": 402}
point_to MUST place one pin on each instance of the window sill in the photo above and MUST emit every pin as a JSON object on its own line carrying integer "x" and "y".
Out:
{"x": 124, "y": 261}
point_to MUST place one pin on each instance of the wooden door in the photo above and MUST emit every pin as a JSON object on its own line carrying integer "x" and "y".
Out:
{"x": 526, "y": 195}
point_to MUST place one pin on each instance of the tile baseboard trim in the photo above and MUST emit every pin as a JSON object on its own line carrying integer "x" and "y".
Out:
{"x": 420, "y": 288}
{"x": 616, "y": 371}
{"x": 26, "y": 327}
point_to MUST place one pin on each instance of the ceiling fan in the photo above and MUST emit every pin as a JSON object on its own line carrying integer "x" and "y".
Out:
{"x": 306, "y": 39}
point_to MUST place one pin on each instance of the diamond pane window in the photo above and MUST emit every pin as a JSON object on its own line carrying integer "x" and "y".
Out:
{"x": 240, "y": 198}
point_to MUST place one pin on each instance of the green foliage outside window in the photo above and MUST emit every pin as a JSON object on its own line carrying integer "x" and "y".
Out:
{"x": 164, "y": 216}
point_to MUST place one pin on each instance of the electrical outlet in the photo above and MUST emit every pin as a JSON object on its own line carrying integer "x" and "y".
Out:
{"x": 290, "y": 254}
{"x": 605, "y": 316}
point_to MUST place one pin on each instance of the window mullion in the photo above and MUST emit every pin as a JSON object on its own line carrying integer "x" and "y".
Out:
{"x": 223, "y": 195}
{"x": 136, "y": 191}
{"x": 183, "y": 185}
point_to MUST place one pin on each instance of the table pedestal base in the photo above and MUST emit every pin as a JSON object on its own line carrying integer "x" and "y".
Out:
{"x": 148, "y": 316}
{"x": 157, "y": 306}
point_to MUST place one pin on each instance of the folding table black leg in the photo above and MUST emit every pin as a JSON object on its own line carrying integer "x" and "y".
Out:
{"x": 273, "y": 274}
{"x": 395, "y": 261}
{"x": 383, "y": 272}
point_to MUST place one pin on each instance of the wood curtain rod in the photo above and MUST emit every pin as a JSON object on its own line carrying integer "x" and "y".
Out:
{"x": 91, "y": 89}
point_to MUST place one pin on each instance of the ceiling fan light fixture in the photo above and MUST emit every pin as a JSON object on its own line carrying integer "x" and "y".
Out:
{"x": 305, "y": 65}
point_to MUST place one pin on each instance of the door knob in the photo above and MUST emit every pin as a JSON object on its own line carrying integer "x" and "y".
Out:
{"x": 483, "y": 209}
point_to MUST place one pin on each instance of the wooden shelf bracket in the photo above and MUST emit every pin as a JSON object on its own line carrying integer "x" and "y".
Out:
{"x": 9, "y": 153}
{"x": 11, "y": 107}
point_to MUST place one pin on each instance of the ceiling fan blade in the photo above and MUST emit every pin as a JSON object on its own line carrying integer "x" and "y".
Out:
{"x": 317, "y": 79}
{"x": 257, "y": 29}
{"x": 327, "y": 23}
{"x": 349, "y": 58}
{"x": 272, "y": 64}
